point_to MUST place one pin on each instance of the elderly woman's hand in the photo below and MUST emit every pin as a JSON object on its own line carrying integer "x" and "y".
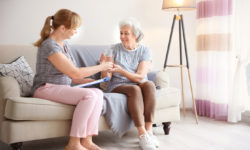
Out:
{"x": 107, "y": 66}
{"x": 117, "y": 69}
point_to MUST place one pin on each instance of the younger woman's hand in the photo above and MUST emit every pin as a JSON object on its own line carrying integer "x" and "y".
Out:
{"x": 117, "y": 69}
{"x": 107, "y": 66}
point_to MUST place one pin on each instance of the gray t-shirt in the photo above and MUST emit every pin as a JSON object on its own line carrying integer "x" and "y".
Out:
{"x": 128, "y": 60}
{"x": 45, "y": 71}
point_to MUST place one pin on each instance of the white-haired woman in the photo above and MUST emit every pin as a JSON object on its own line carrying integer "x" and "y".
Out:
{"x": 129, "y": 76}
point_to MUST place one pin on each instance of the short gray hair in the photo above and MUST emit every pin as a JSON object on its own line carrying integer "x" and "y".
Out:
{"x": 135, "y": 25}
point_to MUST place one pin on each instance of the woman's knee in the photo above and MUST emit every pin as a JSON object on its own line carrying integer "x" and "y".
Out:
{"x": 98, "y": 92}
{"x": 89, "y": 94}
{"x": 98, "y": 96}
{"x": 134, "y": 90}
{"x": 148, "y": 85}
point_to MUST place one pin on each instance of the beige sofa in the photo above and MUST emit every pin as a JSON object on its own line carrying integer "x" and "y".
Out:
{"x": 26, "y": 118}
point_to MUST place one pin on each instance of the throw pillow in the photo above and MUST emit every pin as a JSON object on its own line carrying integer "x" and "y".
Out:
{"x": 21, "y": 71}
{"x": 162, "y": 79}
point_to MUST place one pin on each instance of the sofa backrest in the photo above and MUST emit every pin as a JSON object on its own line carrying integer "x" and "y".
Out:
{"x": 9, "y": 53}
{"x": 88, "y": 55}
{"x": 85, "y": 55}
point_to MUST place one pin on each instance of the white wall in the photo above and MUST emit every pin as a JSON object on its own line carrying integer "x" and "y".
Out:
{"x": 22, "y": 20}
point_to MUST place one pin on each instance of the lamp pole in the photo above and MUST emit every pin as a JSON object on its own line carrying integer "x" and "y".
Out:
{"x": 181, "y": 36}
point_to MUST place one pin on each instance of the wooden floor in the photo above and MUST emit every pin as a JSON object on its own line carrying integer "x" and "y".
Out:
{"x": 184, "y": 135}
{"x": 208, "y": 135}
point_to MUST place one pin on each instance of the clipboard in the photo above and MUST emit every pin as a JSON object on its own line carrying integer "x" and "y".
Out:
{"x": 92, "y": 83}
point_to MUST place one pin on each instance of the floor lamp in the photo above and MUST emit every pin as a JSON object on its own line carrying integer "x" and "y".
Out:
{"x": 177, "y": 5}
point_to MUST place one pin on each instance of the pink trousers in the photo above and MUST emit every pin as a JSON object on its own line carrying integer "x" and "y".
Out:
{"x": 88, "y": 103}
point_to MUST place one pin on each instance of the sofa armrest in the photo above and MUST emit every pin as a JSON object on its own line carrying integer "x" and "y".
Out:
{"x": 9, "y": 87}
{"x": 162, "y": 79}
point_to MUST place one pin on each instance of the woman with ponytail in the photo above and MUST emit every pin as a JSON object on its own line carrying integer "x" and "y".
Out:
{"x": 56, "y": 70}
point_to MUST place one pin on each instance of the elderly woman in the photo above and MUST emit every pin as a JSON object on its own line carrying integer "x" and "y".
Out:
{"x": 129, "y": 77}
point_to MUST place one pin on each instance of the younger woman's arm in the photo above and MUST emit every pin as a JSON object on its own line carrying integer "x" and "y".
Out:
{"x": 64, "y": 65}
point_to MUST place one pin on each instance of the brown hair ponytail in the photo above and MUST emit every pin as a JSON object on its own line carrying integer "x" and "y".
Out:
{"x": 45, "y": 31}
{"x": 68, "y": 18}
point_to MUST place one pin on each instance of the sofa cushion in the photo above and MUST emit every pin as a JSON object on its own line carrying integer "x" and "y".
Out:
{"x": 162, "y": 79}
{"x": 24, "y": 108}
{"x": 27, "y": 108}
{"x": 168, "y": 97}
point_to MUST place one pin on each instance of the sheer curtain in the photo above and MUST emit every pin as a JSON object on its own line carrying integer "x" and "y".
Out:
{"x": 215, "y": 61}
{"x": 223, "y": 50}
{"x": 241, "y": 48}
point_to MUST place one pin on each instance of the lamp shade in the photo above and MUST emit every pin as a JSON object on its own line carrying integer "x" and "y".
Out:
{"x": 175, "y": 5}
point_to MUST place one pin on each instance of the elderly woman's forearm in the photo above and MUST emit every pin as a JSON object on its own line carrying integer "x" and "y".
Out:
{"x": 135, "y": 77}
